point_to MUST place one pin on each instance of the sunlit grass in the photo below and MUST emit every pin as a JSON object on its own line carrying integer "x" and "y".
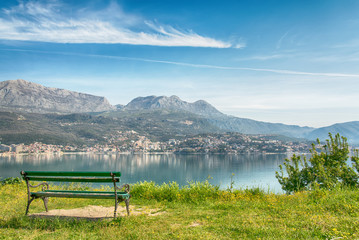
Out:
{"x": 196, "y": 211}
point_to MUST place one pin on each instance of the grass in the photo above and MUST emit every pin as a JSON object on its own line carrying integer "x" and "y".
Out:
{"x": 196, "y": 211}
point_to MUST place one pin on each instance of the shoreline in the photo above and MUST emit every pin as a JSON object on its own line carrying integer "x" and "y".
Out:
{"x": 7, "y": 154}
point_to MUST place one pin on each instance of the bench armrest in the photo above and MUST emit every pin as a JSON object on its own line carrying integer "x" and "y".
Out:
{"x": 45, "y": 186}
{"x": 126, "y": 187}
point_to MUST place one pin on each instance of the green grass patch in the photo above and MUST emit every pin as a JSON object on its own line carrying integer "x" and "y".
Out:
{"x": 196, "y": 211}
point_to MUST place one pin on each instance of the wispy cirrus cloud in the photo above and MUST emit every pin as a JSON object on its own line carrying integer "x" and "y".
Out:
{"x": 50, "y": 22}
{"x": 279, "y": 43}
{"x": 194, "y": 65}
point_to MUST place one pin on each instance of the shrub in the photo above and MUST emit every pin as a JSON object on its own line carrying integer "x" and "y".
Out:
{"x": 10, "y": 180}
{"x": 326, "y": 168}
{"x": 256, "y": 191}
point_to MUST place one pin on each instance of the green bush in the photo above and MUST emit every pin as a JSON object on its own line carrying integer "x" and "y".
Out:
{"x": 10, "y": 180}
{"x": 326, "y": 168}
{"x": 255, "y": 191}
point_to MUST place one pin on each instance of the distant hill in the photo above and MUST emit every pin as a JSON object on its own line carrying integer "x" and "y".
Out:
{"x": 26, "y": 96}
{"x": 349, "y": 129}
{"x": 248, "y": 126}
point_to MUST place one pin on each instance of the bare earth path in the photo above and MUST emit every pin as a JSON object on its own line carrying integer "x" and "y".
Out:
{"x": 97, "y": 212}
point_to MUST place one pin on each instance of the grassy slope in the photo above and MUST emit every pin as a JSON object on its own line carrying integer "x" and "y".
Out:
{"x": 216, "y": 214}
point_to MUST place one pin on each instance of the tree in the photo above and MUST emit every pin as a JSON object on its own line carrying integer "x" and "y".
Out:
{"x": 326, "y": 168}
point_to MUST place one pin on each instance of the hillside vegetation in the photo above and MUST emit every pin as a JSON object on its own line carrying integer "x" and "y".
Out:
{"x": 81, "y": 128}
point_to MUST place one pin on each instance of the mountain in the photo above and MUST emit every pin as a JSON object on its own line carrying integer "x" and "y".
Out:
{"x": 215, "y": 117}
{"x": 173, "y": 103}
{"x": 158, "y": 116}
{"x": 26, "y": 96}
{"x": 349, "y": 129}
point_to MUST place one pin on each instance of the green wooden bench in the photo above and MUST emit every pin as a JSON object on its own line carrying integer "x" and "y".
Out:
{"x": 119, "y": 194}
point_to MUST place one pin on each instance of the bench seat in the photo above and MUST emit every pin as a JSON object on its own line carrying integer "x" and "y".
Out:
{"x": 79, "y": 194}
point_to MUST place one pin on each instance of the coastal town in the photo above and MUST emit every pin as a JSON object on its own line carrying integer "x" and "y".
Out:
{"x": 133, "y": 142}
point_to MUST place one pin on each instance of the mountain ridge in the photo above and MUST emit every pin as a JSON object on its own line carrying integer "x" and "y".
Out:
{"x": 347, "y": 129}
{"x": 173, "y": 102}
{"x": 32, "y": 97}
{"x": 23, "y": 96}
{"x": 218, "y": 119}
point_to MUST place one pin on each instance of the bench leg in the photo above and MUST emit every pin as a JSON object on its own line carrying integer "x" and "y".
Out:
{"x": 127, "y": 201}
{"x": 116, "y": 204}
{"x": 46, "y": 200}
{"x": 28, "y": 205}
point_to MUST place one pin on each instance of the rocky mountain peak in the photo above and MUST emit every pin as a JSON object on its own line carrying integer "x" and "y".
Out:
{"x": 32, "y": 97}
{"x": 173, "y": 103}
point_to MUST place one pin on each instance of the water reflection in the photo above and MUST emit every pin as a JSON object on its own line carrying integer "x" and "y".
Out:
{"x": 248, "y": 170}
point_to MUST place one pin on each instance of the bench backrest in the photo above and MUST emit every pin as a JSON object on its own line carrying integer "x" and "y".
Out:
{"x": 71, "y": 176}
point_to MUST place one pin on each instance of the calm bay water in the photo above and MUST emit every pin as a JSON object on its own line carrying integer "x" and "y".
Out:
{"x": 249, "y": 170}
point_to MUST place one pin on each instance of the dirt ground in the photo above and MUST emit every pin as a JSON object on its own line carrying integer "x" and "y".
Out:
{"x": 97, "y": 212}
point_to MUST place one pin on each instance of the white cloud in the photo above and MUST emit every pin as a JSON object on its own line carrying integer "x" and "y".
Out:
{"x": 47, "y": 22}
{"x": 289, "y": 72}
{"x": 268, "y": 57}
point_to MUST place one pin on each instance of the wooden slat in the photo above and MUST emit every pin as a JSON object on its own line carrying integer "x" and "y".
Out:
{"x": 71, "y": 179}
{"x": 67, "y": 173}
{"x": 74, "y": 191}
{"x": 73, "y": 195}
{"x": 104, "y": 195}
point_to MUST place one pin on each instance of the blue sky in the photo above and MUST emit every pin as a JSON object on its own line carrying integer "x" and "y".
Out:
{"x": 293, "y": 62}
